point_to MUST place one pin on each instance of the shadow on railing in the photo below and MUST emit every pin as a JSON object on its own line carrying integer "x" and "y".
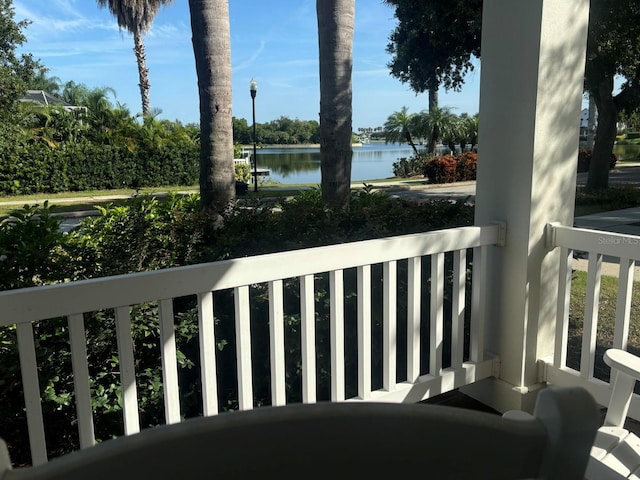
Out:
{"x": 577, "y": 356}
{"x": 390, "y": 320}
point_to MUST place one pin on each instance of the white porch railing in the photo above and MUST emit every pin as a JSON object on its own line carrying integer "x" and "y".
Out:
{"x": 623, "y": 249}
{"x": 72, "y": 300}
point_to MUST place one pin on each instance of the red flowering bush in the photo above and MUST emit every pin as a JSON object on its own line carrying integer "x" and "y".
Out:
{"x": 467, "y": 166}
{"x": 441, "y": 169}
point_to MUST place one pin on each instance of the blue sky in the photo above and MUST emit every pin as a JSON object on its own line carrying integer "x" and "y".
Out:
{"x": 273, "y": 41}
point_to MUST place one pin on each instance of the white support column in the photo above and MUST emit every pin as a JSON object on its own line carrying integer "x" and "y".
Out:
{"x": 533, "y": 54}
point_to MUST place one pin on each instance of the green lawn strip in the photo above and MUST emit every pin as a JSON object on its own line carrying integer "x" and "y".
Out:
{"x": 100, "y": 197}
{"x": 606, "y": 320}
{"x": 614, "y": 198}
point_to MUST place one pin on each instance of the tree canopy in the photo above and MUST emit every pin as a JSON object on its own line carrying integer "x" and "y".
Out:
{"x": 16, "y": 71}
{"x": 434, "y": 43}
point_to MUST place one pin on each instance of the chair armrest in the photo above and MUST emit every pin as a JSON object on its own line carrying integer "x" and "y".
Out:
{"x": 623, "y": 361}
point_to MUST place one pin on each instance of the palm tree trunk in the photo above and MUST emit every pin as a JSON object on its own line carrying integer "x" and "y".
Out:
{"x": 335, "y": 38}
{"x": 409, "y": 138}
{"x": 433, "y": 98}
{"x": 143, "y": 71}
{"x": 433, "y": 104}
{"x": 212, "y": 51}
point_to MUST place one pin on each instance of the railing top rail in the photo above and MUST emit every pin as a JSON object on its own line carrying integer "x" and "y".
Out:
{"x": 606, "y": 243}
{"x": 37, "y": 303}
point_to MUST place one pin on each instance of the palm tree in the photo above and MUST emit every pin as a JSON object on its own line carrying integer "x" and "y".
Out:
{"x": 435, "y": 124}
{"x": 470, "y": 129}
{"x": 335, "y": 39}
{"x": 136, "y": 16}
{"x": 212, "y": 51}
{"x": 41, "y": 81}
{"x": 398, "y": 128}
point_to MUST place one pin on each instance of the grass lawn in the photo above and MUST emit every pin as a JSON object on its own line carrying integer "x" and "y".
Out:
{"x": 87, "y": 200}
{"x": 606, "y": 320}
{"x": 613, "y": 198}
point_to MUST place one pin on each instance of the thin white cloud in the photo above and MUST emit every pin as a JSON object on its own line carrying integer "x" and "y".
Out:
{"x": 246, "y": 63}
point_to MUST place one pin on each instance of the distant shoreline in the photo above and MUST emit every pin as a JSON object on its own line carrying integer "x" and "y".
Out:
{"x": 300, "y": 145}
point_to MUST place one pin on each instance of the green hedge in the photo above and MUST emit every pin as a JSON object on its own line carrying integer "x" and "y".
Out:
{"x": 35, "y": 167}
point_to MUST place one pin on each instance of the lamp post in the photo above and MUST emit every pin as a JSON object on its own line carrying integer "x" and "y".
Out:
{"x": 253, "y": 88}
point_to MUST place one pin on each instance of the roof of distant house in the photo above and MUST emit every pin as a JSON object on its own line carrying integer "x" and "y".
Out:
{"x": 44, "y": 98}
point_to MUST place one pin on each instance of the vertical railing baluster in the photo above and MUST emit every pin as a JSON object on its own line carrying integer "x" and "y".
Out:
{"x": 169, "y": 362}
{"x": 336, "y": 293}
{"x": 364, "y": 331}
{"x": 390, "y": 319}
{"x": 31, "y": 389}
{"x": 126, "y": 364}
{"x": 563, "y": 308}
{"x": 207, "y": 343}
{"x": 458, "y": 307}
{"x": 243, "y": 347}
{"x": 413, "y": 319}
{"x": 436, "y": 324}
{"x": 590, "y": 327}
{"x": 276, "y": 343}
{"x": 480, "y": 289}
{"x": 623, "y": 305}
{"x": 80, "y": 366}
{"x": 308, "y": 342}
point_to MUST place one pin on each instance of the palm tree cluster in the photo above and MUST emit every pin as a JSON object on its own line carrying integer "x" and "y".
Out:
{"x": 437, "y": 125}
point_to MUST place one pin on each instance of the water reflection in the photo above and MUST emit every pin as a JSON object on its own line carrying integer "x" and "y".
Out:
{"x": 302, "y": 165}
{"x": 627, "y": 153}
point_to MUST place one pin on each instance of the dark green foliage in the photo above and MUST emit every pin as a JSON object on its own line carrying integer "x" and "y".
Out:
{"x": 31, "y": 166}
{"x": 434, "y": 42}
{"x": 283, "y": 131}
{"x": 412, "y": 166}
{"x": 614, "y": 198}
{"x": 30, "y": 249}
{"x": 16, "y": 71}
{"x": 584, "y": 160}
{"x": 150, "y": 234}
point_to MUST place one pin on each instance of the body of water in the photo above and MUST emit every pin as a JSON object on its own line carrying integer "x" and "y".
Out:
{"x": 627, "y": 153}
{"x": 371, "y": 161}
{"x": 302, "y": 165}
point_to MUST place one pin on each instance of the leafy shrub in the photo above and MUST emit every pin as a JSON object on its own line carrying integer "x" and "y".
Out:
{"x": 31, "y": 248}
{"x": 28, "y": 167}
{"x": 584, "y": 160}
{"x": 441, "y": 169}
{"x": 243, "y": 172}
{"x": 614, "y": 198}
{"x": 411, "y": 167}
{"x": 467, "y": 166}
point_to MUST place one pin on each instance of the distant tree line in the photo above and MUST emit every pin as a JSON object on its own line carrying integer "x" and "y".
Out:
{"x": 282, "y": 131}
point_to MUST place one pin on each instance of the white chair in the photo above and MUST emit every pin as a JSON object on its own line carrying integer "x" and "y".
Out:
{"x": 347, "y": 440}
{"x": 616, "y": 451}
